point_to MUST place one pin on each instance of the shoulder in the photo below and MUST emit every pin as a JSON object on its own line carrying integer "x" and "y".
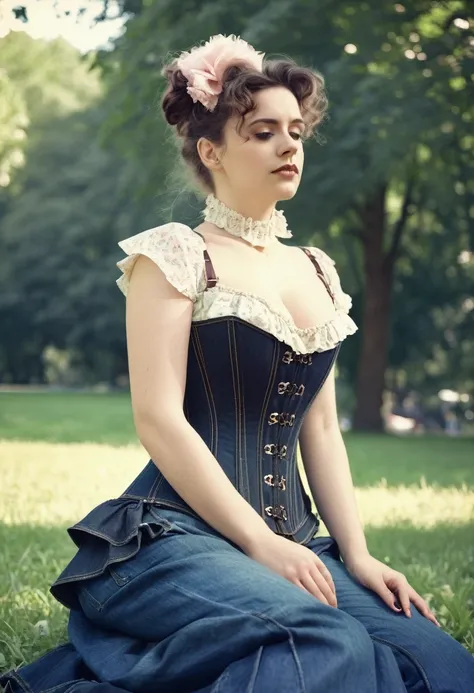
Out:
{"x": 166, "y": 238}
{"x": 175, "y": 248}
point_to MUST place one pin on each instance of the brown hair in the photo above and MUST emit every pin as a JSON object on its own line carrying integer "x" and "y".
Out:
{"x": 193, "y": 121}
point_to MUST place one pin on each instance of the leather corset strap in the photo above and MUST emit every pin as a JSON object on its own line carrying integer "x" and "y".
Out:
{"x": 211, "y": 276}
{"x": 319, "y": 271}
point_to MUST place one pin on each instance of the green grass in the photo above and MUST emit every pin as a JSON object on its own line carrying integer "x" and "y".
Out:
{"x": 67, "y": 417}
{"x": 61, "y": 454}
{"x": 440, "y": 460}
{"x": 105, "y": 418}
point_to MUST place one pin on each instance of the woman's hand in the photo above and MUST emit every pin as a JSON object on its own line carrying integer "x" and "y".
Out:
{"x": 389, "y": 584}
{"x": 297, "y": 564}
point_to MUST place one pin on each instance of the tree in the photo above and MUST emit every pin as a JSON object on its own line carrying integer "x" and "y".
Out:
{"x": 13, "y": 120}
{"x": 64, "y": 210}
{"x": 398, "y": 142}
{"x": 397, "y": 146}
{"x": 75, "y": 201}
{"x": 394, "y": 174}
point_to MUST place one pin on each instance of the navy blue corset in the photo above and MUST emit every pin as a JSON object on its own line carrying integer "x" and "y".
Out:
{"x": 246, "y": 395}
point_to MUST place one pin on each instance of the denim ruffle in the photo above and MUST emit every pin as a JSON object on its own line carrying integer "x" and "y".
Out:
{"x": 111, "y": 533}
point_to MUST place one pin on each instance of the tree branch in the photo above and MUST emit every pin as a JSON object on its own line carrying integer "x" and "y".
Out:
{"x": 401, "y": 223}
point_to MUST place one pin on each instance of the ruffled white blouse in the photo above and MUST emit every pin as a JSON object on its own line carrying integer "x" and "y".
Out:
{"x": 178, "y": 252}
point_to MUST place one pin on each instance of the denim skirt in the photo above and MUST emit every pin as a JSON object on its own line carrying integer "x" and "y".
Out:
{"x": 192, "y": 613}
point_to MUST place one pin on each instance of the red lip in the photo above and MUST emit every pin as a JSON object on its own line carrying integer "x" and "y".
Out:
{"x": 287, "y": 167}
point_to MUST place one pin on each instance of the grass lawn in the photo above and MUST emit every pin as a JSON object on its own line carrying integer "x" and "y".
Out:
{"x": 61, "y": 454}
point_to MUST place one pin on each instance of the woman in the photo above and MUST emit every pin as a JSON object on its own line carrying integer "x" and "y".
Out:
{"x": 205, "y": 574}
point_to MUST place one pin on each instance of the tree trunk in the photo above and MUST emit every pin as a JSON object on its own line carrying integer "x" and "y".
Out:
{"x": 376, "y": 317}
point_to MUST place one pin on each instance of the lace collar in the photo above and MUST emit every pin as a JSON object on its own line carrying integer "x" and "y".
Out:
{"x": 256, "y": 232}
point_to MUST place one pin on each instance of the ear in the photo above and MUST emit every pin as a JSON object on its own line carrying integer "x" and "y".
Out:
{"x": 209, "y": 154}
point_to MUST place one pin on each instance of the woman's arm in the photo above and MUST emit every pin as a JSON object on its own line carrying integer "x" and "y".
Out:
{"x": 158, "y": 326}
{"x": 327, "y": 468}
{"x": 158, "y": 320}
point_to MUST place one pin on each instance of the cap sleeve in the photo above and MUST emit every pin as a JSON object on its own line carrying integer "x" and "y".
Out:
{"x": 177, "y": 251}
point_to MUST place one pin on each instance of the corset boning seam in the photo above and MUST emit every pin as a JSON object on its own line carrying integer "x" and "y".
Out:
{"x": 237, "y": 396}
{"x": 208, "y": 390}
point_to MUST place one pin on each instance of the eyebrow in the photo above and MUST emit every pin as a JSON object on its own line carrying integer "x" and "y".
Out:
{"x": 273, "y": 121}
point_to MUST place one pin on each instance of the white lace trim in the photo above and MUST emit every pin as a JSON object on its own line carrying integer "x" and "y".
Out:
{"x": 221, "y": 301}
{"x": 178, "y": 251}
{"x": 256, "y": 232}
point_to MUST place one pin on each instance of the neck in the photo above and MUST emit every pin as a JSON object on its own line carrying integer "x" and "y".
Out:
{"x": 249, "y": 208}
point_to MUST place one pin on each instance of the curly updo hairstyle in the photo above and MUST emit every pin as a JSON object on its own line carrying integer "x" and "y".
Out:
{"x": 193, "y": 121}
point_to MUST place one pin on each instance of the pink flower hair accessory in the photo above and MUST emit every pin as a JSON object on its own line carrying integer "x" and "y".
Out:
{"x": 204, "y": 66}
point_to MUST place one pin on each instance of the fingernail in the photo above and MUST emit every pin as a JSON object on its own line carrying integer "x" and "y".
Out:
{"x": 397, "y": 608}
{"x": 409, "y": 613}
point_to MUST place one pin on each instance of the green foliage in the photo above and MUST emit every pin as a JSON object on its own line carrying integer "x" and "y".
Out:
{"x": 13, "y": 119}
{"x": 63, "y": 280}
{"x": 399, "y": 131}
{"x": 51, "y": 76}
{"x": 64, "y": 212}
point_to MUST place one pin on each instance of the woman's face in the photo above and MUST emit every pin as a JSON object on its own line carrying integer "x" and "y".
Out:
{"x": 269, "y": 138}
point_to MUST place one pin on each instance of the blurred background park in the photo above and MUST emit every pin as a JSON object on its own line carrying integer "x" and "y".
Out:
{"x": 388, "y": 192}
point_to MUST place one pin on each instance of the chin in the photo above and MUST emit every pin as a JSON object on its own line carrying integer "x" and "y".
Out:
{"x": 287, "y": 191}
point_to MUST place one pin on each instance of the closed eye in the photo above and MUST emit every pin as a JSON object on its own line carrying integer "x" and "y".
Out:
{"x": 267, "y": 135}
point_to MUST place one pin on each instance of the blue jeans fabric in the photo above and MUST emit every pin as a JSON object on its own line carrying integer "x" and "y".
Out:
{"x": 191, "y": 613}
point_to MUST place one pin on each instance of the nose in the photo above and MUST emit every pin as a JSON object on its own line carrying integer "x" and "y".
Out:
{"x": 289, "y": 147}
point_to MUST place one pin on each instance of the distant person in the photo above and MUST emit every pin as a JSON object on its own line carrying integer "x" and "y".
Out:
{"x": 451, "y": 424}
{"x": 206, "y": 575}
